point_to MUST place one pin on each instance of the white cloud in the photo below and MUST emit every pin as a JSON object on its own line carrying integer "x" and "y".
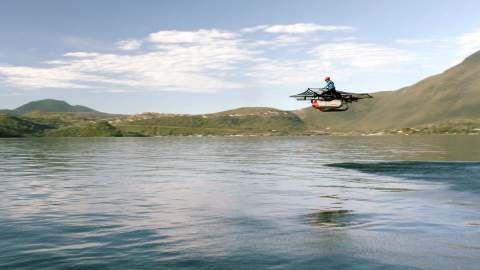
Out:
{"x": 291, "y": 73}
{"x": 469, "y": 43}
{"x": 213, "y": 59}
{"x": 348, "y": 59}
{"x": 362, "y": 55}
{"x": 456, "y": 47}
{"x": 279, "y": 41}
{"x": 81, "y": 54}
{"x": 448, "y": 50}
{"x": 288, "y": 39}
{"x": 413, "y": 41}
{"x": 209, "y": 60}
{"x": 298, "y": 28}
{"x": 200, "y": 36}
{"x": 201, "y": 60}
{"x": 254, "y": 29}
{"x": 129, "y": 44}
{"x": 27, "y": 77}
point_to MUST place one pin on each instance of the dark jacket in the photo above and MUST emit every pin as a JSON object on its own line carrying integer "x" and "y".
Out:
{"x": 329, "y": 85}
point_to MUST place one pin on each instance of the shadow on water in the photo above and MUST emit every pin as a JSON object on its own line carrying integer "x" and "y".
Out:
{"x": 339, "y": 218}
{"x": 463, "y": 176}
{"x": 332, "y": 218}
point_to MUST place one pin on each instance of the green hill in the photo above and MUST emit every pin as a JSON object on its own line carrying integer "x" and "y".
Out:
{"x": 447, "y": 97}
{"x": 51, "y": 105}
{"x": 242, "y": 121}
{"x": 55, "y": 118}
{"x": 13, "y": 126}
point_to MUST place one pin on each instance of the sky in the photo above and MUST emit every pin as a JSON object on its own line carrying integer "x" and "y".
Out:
{"x": 206, "y": 56}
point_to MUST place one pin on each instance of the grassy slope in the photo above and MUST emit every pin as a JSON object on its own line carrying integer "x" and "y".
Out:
{"x": 13, "y": 126}
{"x": 75, "y": 124}
{"x": 234, "y": 122}
{"x": 86, "y": 129}
{"x": 56, "y": 125}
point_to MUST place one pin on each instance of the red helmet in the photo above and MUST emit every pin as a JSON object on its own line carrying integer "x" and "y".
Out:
{"x": 327, "y": 78}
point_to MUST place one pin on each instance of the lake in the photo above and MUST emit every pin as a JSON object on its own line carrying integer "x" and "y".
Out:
{"x": 379, "y": 202}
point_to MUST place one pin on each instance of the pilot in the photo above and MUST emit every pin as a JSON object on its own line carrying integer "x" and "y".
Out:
{"x": 330, "y": 87}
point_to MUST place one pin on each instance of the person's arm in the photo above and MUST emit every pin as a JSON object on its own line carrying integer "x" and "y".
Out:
{"x": 325, "y": 86}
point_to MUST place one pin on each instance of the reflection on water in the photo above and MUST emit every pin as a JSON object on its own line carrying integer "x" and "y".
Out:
{"x": 240, "y": 203}
{"x": 332, "y": 218}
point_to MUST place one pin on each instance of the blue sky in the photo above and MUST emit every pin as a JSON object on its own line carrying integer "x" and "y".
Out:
{"x": 205, "y": 56}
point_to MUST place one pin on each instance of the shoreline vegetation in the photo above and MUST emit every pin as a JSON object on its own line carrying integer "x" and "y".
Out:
{"x": 238, "y": 122}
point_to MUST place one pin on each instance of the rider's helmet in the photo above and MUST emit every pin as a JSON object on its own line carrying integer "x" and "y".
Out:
{"x": 327, "y": 78}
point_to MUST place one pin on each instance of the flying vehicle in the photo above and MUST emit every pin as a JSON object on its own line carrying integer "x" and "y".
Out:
{"x": 327, "y": 102}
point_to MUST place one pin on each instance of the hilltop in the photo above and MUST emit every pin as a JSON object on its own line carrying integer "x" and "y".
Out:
{"x": 51, "y": 105}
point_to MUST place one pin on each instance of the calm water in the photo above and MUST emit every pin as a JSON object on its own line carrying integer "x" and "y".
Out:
{"x": 241, "y": 203}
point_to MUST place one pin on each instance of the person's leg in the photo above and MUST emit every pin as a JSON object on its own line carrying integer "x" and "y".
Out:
{"x": 329, "y": 95}
{"x": 335, "y": 94}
